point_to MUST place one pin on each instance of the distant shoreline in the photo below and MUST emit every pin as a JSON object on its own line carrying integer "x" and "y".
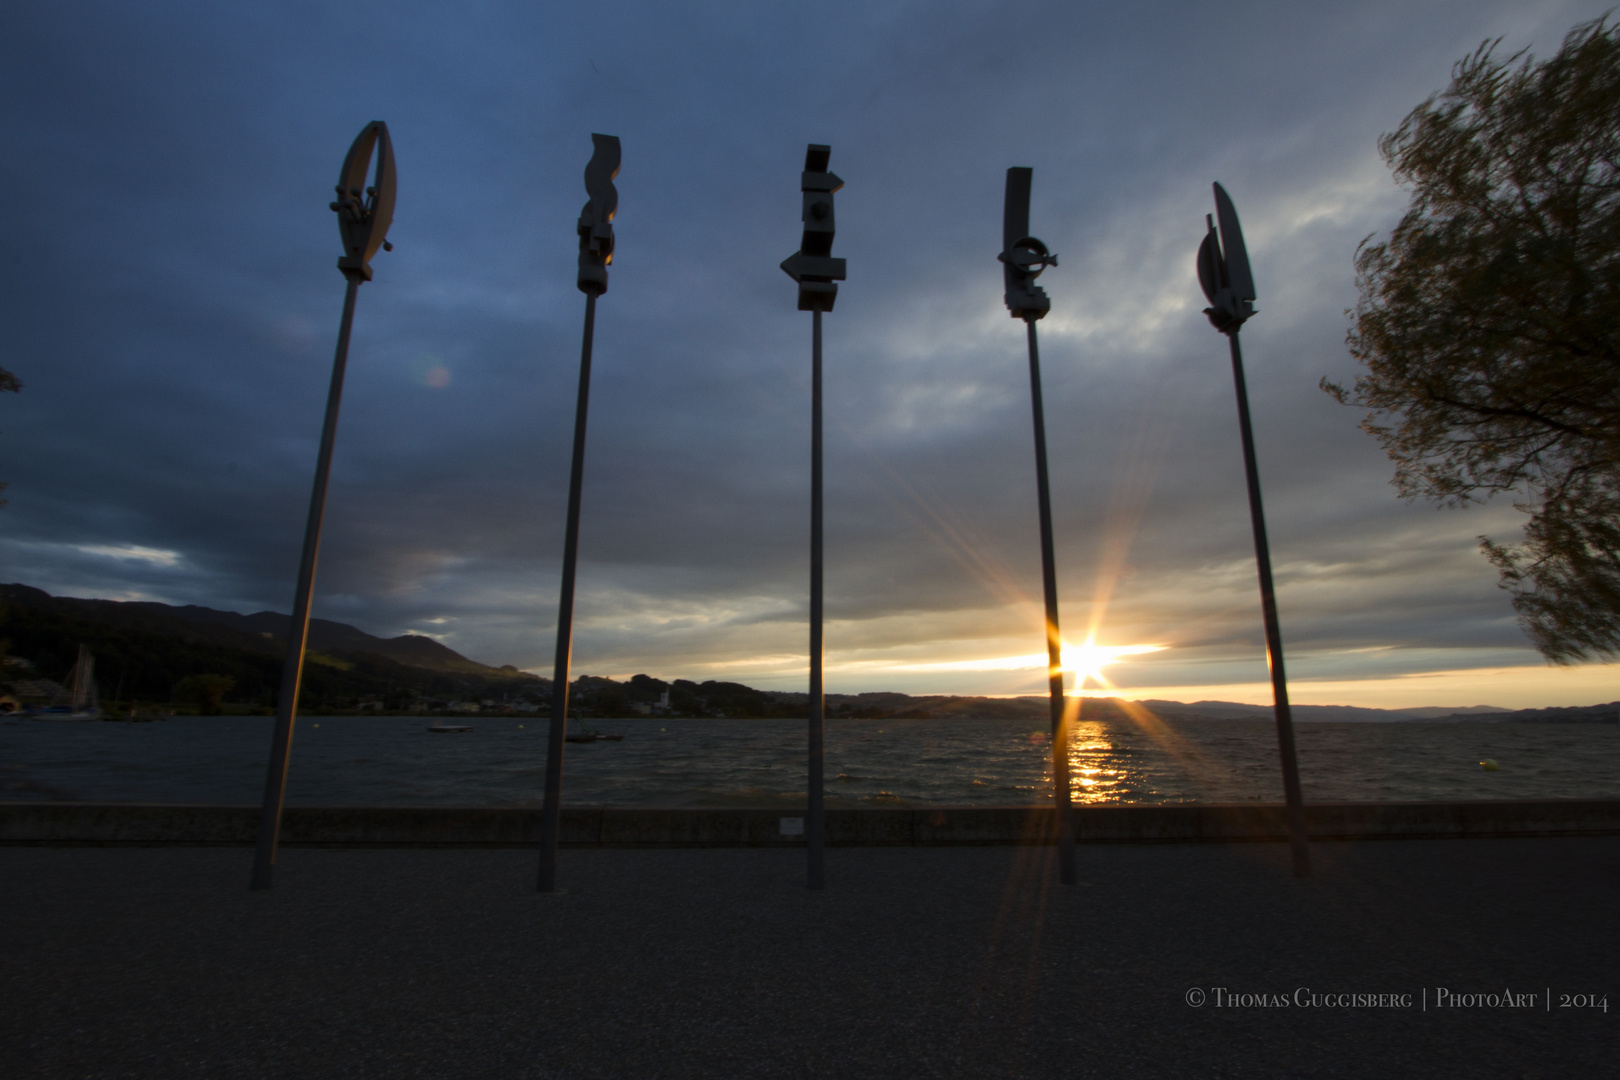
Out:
{"x": 1599, "y": 714}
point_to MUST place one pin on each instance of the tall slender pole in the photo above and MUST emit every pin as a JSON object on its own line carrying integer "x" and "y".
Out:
{"x": 817, "y": 273}
{"x": 1054, "y": 637}
{"x": 551, "y": 813}
{"x": 813, "y": 826}
{"x": 292, "y": 669}
{"x": 1274, "y": 651}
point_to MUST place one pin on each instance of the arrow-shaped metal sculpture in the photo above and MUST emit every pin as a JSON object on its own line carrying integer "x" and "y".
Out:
{"x": 364, "y": 214}
{"x": 813, "y": 265}
{"x": 1223, "y": 272}
{"x": 817, "y": 272}
{"x": 595, "y": 256}
{"x": 1023, "y": 258}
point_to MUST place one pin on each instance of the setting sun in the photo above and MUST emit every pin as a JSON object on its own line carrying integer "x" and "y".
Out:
{"x": 1084, "y": 660}
{"x": 1087, "y": 659}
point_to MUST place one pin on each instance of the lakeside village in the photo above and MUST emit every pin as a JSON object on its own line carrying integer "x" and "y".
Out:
{"x": 24, "y": 692}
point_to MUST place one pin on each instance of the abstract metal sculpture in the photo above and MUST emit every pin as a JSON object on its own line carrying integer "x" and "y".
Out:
{"x": 817, "y": 272}
{"x": 595, "y": 256}
{"x": 1023, "y": 259}
{"x": 364, "y": 214}
{"x": 1223, "y": 272}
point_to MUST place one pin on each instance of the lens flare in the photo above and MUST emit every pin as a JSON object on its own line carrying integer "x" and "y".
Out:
{"x": 1087, "y": 659}
{"x": 430, "y": 371}
{"x": 1084, "y": 660}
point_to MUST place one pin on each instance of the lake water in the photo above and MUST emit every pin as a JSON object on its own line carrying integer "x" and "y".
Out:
{"x": 665, "y": 762}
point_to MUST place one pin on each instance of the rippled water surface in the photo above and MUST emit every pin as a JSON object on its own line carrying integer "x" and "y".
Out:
{"x": 661, "y": 762}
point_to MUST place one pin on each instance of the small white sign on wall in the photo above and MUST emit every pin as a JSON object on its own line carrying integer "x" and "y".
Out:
{"x": 793, "y": 826}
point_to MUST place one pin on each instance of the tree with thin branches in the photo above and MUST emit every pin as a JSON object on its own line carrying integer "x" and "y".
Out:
{"x": 1488, "y": 323}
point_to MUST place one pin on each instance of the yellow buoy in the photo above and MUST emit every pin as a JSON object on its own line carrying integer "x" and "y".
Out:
{"x": 1490, "y": 765}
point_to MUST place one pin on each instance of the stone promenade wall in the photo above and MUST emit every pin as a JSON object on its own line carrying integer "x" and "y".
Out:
{"x": 435, "y": 826}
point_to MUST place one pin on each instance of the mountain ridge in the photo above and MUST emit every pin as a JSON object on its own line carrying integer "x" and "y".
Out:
{"x": 263, "y": 631}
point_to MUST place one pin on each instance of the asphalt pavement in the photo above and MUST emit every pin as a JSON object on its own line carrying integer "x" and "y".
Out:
{"x": 1164, "y": 961}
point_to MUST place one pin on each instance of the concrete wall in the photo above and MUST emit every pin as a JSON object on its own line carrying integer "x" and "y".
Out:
{"x": 435, "y": 826}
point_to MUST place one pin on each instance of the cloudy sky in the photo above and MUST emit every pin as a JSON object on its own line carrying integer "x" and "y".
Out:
{"x": 171, "y": 303}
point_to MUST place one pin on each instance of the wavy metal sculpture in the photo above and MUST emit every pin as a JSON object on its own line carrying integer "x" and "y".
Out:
{"x": 596, "y": 219}
{"x": 595, "y": 256}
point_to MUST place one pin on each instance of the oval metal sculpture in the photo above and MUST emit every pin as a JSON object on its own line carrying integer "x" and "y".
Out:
{"x": 365, "y": 211}
{"x": 1228, "y": 284}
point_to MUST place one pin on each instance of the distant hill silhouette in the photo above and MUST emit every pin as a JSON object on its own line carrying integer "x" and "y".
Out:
{"x": 262, "y": 632}
{"x": 1583, "y": 714}
{"x": 143, "y": 651}
{"x": 155, "y": 644}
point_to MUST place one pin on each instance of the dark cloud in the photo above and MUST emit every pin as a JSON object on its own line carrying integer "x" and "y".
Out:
{"x": 168, "y": 277}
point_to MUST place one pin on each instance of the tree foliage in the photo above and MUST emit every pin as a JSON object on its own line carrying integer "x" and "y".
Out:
{"x": 206, "y": 692}
{"x": 1489, "y": 323}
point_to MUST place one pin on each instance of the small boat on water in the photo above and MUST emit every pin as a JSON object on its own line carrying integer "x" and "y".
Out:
{"x": 83, "y": 701}
{"x": 588, "y": 734}
{"x": 439, "y": 727}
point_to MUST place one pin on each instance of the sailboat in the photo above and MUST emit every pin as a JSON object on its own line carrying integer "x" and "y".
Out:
{"x": 84, "y": 701}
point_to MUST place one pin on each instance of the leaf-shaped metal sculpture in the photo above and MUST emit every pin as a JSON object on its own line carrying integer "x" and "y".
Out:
{"x": 813, "y": 265}
{"x": 1236, "y": 254}
{"x": 1223, "y": 274}
{"x": 1223, "y": 268}
{"x": 1209, "y": 262}
{"x": 1022, "y": 256}
{"x": 596, "y": 219}
{"x": 365, "y": 211}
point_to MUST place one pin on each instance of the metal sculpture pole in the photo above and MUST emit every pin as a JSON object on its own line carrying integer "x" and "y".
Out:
{"x": 1223, "y": 272}
{"x": 595, "y": 256}
{"x": 1023, "y": 258}
{"x": 364, "y": 214}
{"x": 817, "y": 272}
